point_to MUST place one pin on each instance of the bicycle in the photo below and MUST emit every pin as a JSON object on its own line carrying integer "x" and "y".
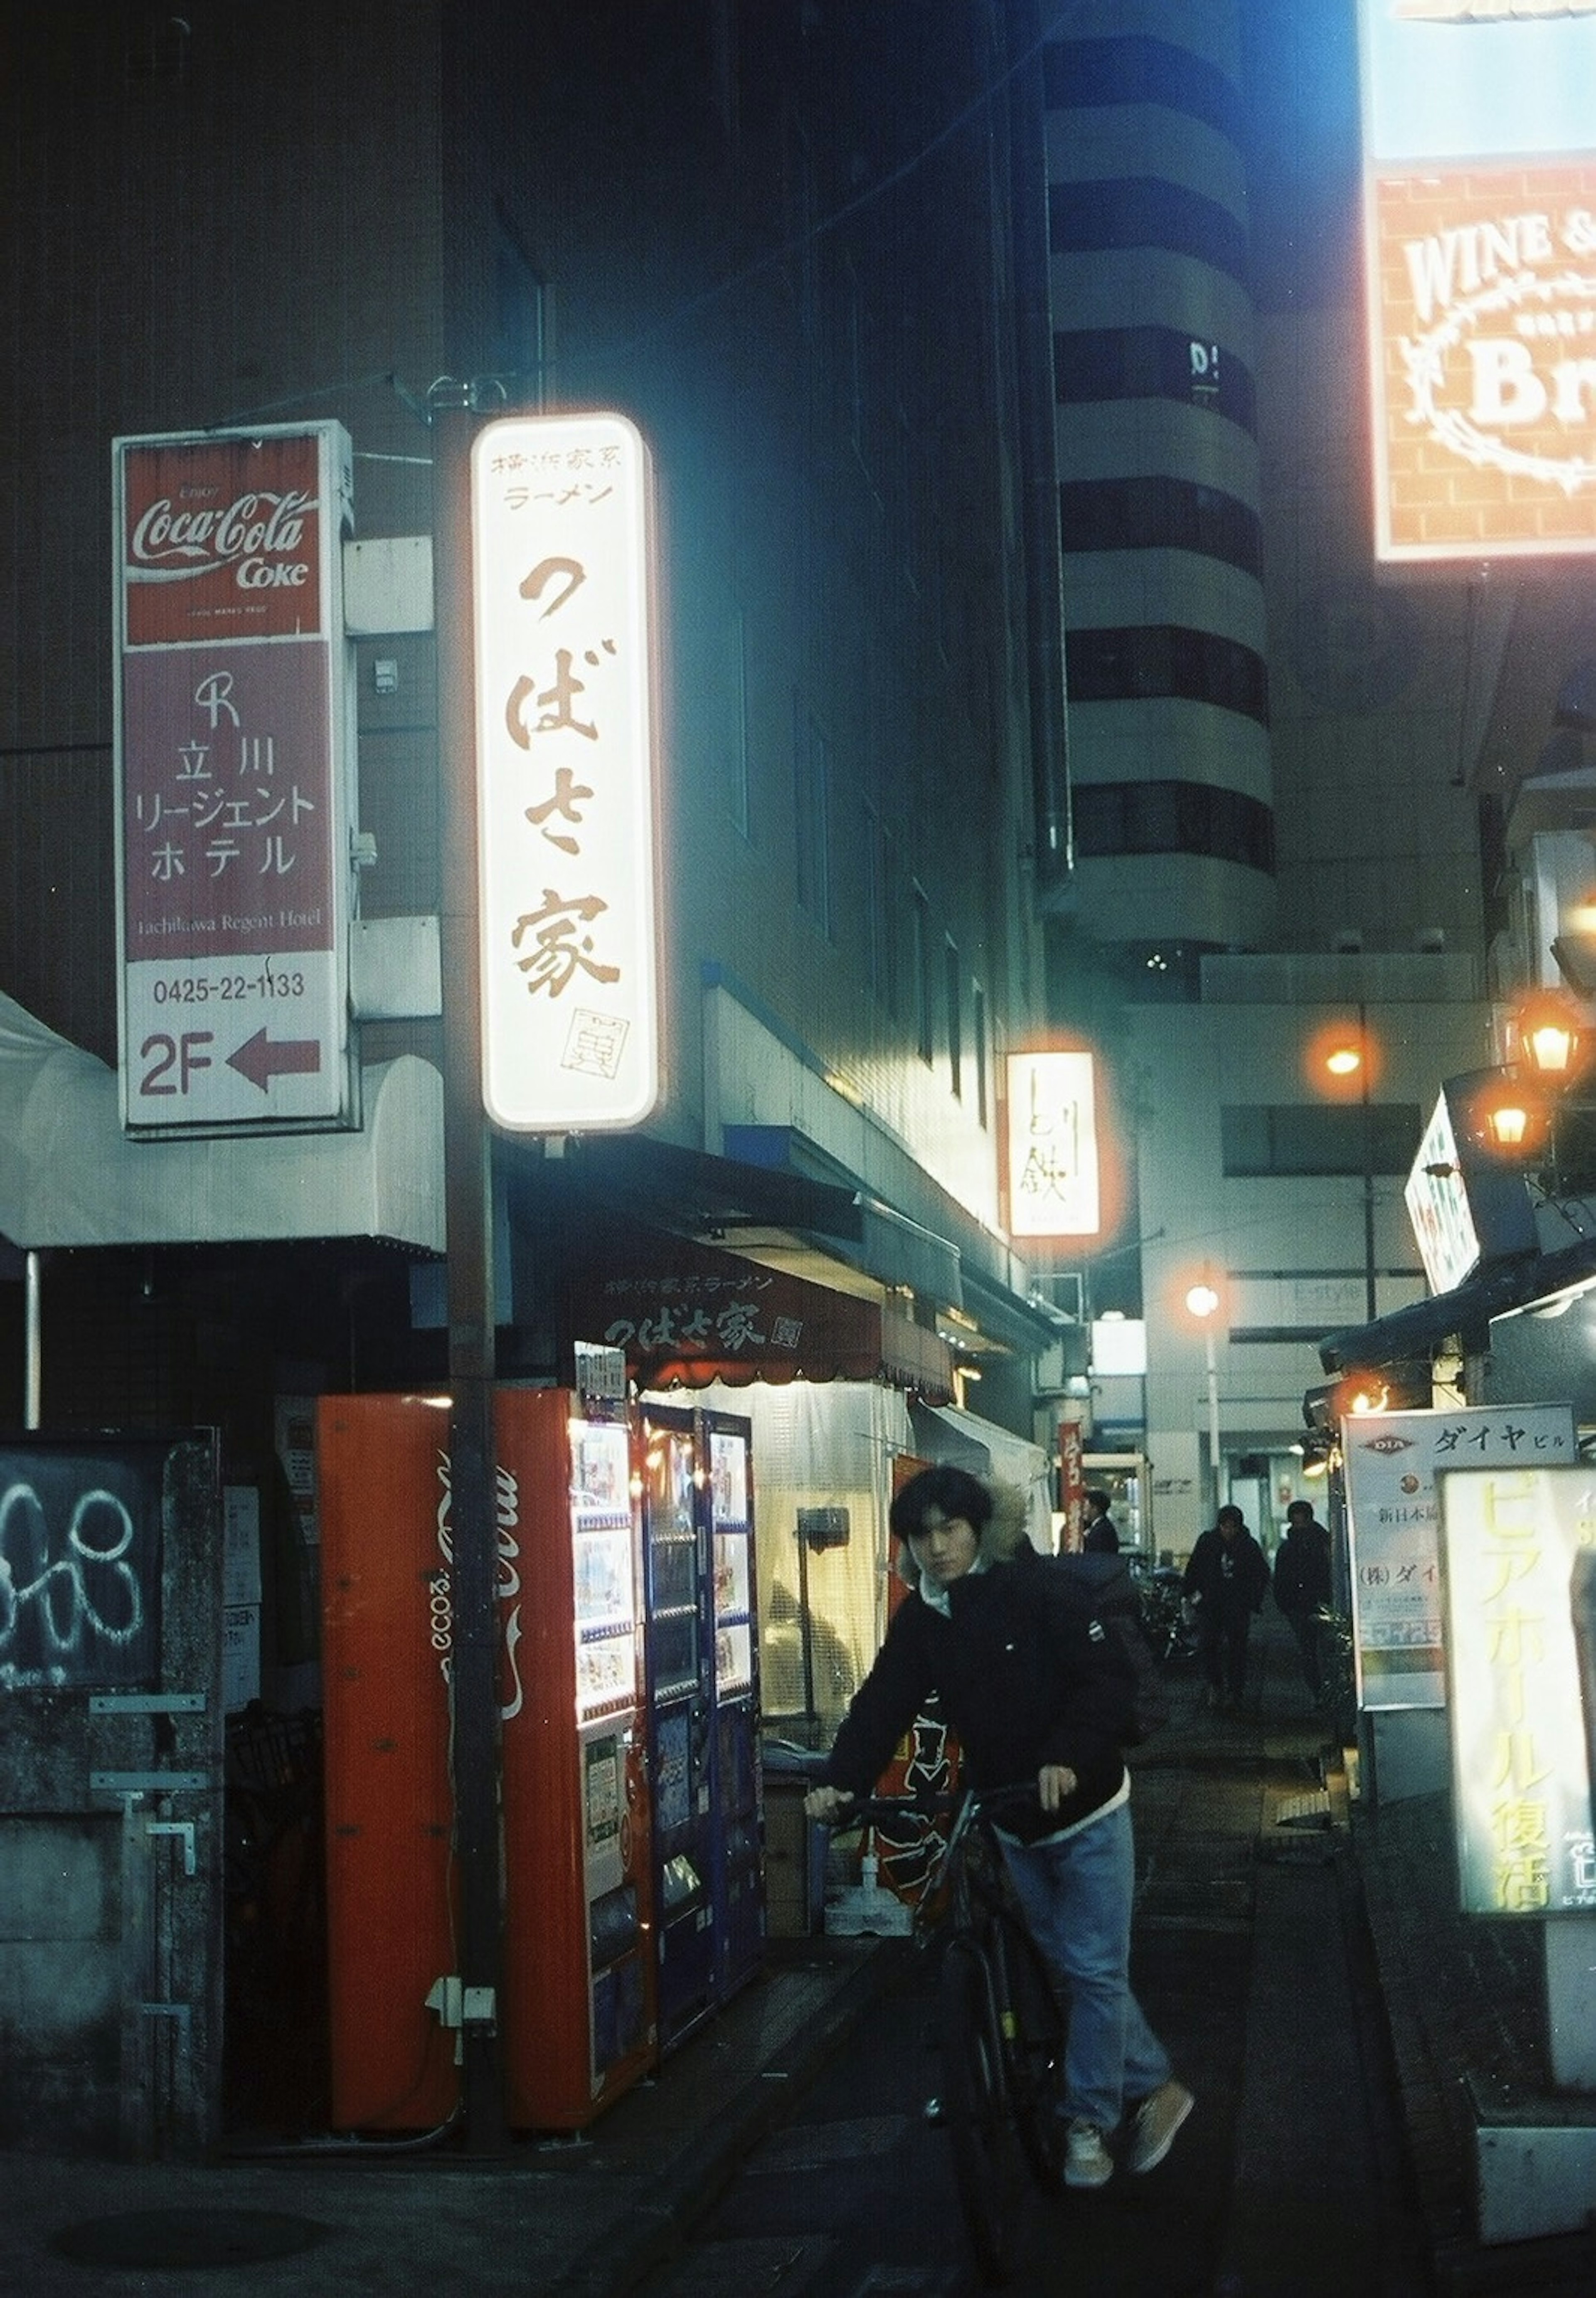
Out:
{"x": 1001, "y": 2030}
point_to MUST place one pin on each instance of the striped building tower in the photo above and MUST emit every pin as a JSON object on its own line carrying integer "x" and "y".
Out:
{"x": 1153, "y": 360}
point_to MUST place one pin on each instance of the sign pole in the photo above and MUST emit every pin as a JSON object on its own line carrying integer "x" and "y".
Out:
{"x": 473, "y": 1685}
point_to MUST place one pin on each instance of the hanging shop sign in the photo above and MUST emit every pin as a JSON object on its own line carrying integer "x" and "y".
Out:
{"x": 1053, "y": 1185}
{"x": 1512, "y": 1538}
{"x": 1479, "y": 200}
{"x": 1392, "y": 1462}
{"x": 234, "y": 782}
{"x": 567, "y": 871}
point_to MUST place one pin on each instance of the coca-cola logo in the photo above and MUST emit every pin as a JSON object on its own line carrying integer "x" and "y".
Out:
{"x": 256, "y": 534}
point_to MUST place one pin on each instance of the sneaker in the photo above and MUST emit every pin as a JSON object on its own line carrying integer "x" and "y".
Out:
{"x": 1087, "y": 2162}
{"x": 1154, "y": 2125}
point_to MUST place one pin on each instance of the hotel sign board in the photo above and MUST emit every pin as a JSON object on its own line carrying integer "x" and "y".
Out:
{"x": 233, "y": 768}
{"x": 1512, "y": 1537}
{"x": 1393, "y": 1462}
{"x": 1479, "y": 223}
{"x": 562, "y": 554}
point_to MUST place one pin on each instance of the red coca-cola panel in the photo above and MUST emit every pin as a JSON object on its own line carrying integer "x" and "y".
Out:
{"x": 392, "y": 1888}
{"x": 222, "y": 538}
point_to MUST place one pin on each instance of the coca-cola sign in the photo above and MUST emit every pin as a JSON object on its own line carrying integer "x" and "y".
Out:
{"x": 222, "y": 538}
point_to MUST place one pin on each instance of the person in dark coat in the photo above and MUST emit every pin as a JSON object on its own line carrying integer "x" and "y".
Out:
{"x": 1303, "y": 1587}
{"x": 1101, "y": 1536}
{"x": 1035, "y": 1692}
{"x": 1226, "y": 1578}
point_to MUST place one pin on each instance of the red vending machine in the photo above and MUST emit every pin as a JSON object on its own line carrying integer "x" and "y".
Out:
{"x": 577, "y": 2016}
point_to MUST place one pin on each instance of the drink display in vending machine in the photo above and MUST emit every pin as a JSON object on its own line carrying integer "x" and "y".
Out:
{"x": 703, "y": 1715}
{"x": 579, "y": 1980}
{"x": 576, "y": 2018}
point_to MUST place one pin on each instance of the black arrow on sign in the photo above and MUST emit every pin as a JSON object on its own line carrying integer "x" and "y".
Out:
{"x": 260, "y": 1059}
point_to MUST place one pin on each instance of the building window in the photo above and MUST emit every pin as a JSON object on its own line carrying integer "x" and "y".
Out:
{"x": 811, "y": 809}
{"x": 1084, "y": 74}
{"x": 1165, "y": 661}
{"x": 1303, "y": 1140}
{"x": 955, "y": 1037}
{"x": 881, "y": 943}
{"x": 1109, "y": 363}
{"x": 1173, "y": 817}
{"x": 978, "y": 1049}
{"x": 731, "y": 736}
{"x": 1159, "y": 514}
{"x": 1100, "y": 217}
{"x": 920, "y": 957}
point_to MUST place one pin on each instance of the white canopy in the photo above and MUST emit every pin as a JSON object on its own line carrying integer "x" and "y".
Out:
{"x": 71, "y": 1177}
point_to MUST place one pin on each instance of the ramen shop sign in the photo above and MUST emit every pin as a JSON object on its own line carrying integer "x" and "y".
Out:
{"x": 562, "y": 564}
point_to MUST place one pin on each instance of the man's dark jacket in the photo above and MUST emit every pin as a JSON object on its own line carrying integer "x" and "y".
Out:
{"x": 1302, "y": 1568}
{"x": 1229, "y": 1577}
{"x": 1024, "y": 1680}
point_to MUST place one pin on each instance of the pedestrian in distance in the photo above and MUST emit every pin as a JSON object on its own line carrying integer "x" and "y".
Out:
{"x": 1303, "y": 1588}
{"x": 1034, "y": 1691}
{"x": 1226, "y": 1578}
{"x": 1101, "y": 1536}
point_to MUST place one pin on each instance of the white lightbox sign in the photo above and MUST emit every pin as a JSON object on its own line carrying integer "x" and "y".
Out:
{"x": 562, "y": 555}
{"x": 1051, "y": 1156}
{"x": 1522, "y": 1801}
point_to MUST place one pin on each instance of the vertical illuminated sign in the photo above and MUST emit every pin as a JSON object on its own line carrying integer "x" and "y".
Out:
{"x": 1522, "y": 1802}
{"x": 1479, "y": 202}
{"x": 1050, "y": 1149}
{"x": 234, "y": 773}
{"x": 562, "y": 559}
{"x": 1393, "y": 1462}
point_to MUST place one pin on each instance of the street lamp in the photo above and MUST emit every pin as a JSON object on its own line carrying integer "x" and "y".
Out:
{"x": 1344, "y": 1058}
{"x": 1203, "y": 1302}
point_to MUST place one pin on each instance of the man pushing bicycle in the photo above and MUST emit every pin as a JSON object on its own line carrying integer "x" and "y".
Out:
{"x": 1034, "y": 1689}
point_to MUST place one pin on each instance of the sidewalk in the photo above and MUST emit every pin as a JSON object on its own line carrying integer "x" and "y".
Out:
{"x": 1377, "y": 2018}
{"x": 580, "y": 2219}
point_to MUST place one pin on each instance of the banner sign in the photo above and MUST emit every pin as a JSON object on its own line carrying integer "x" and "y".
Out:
{"x": 1392, "y": 1461}
{"x": 1479, "y": 157}
{"x": 234, "y": 766}
{"x": 1511, "y": 1539}
{"x": 1051, "y": 1161}
{"x": 563, "y": 575}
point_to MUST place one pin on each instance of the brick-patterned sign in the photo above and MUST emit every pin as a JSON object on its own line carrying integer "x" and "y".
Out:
{"x": 1485, "y": 315}
{"x": 1479, "y": 212}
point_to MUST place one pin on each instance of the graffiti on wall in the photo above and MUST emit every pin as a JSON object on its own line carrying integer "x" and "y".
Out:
{"x": 80, "y": 1568}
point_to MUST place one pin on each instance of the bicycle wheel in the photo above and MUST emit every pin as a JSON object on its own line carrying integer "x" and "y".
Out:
{"x": 1033, "y": 2041}
{"x": 975, "y": 2106}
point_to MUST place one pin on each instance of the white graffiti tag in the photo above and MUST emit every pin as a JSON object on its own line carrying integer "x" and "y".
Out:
{"x": 73, "y": 1600}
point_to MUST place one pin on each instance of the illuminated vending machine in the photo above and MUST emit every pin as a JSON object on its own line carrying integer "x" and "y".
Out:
{"x": 703, "y": 1710}
{"x": 579, "y": 1950}
{"x": 576, "y": 2021}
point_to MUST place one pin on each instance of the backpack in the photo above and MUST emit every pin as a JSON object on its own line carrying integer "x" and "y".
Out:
{"x": 1102, "y": 1587}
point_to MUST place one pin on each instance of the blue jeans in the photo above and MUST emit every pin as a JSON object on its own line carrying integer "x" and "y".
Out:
{"x": 1076, "y": 1895}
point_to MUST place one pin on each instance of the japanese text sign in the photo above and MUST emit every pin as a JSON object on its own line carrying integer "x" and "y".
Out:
{"x": 232, "y": 781}
{"x": 1480, "y": 247}
{"x": 562, "y": 559}
{"x": 1510, "y": 1537}
{"x": 1051, "y": 1146}
{"x": 1392, "y": 1462}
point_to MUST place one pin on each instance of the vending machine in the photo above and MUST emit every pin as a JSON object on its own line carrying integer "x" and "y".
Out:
{"x": 576, "y": 2014}
{"x": 703, "y": 1709}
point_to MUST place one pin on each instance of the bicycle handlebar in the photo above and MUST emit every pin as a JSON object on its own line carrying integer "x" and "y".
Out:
{"x": 980, "y": 1801}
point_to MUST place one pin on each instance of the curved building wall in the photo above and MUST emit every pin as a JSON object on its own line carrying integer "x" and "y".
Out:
{"x": 1155, "y": 361}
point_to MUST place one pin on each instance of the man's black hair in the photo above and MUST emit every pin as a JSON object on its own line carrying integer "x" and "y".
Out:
{"x": 1100, "y": 1499}
{"x": 942, "y": 1491}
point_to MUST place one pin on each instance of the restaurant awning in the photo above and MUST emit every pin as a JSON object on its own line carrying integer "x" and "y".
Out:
{"x": 686, "y": 1314}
